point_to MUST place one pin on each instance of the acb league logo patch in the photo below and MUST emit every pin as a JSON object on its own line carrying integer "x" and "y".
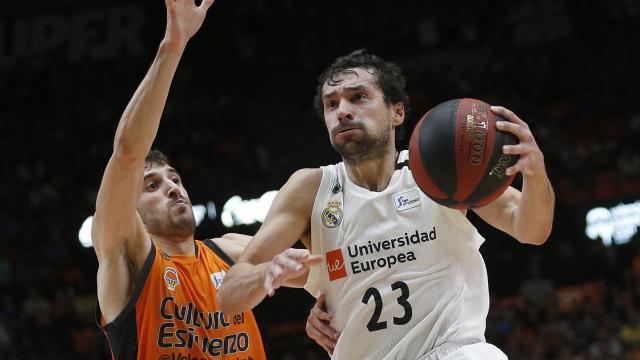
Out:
{"x": 332, "y": 214}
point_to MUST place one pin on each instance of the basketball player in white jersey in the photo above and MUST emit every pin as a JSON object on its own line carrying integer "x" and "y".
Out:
{"x": 403, "y": 276}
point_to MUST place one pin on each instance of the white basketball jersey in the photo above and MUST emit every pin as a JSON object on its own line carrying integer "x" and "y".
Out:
{"x": 402, "y": 274}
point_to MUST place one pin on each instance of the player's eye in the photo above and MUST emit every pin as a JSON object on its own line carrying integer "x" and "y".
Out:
{"x": 330, "y": 104}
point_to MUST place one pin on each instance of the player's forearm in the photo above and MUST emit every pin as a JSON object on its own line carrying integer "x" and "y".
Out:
{"x": 534, "y": 217}
{"x": 242, "y": 288}
{"x": 139, "y": 122}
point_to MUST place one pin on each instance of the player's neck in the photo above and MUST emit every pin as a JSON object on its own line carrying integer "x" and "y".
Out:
{"x": 175, "y": 246}
{"x": 373, "y": 174}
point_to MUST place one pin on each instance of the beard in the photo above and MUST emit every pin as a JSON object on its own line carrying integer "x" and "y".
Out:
{"x": 367, "y": 148}
{"x": 181, "y": 225}
{"x": 175, "y": 223}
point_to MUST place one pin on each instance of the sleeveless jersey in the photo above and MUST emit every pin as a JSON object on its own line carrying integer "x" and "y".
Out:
{"x": 173, "y": 313}
{"x": 402, "y": 275}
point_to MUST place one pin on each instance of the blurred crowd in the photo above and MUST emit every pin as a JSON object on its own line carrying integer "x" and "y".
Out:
{"x": 239, "y": 120}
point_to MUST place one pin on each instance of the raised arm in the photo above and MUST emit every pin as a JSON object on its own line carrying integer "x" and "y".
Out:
{"x": 268, "y": 263}
{"x": 526, "y": 215}
{"x": 119, "y": 237}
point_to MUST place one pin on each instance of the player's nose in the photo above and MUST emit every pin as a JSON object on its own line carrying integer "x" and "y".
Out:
{"x": 344, "y": 112}
{"x": 173, "y": 189}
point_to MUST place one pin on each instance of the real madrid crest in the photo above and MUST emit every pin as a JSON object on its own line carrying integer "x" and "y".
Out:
{"x": 332, "y": 214}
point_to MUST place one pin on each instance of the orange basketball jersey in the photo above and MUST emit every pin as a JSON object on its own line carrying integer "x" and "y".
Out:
{"x": 173, "y": 312}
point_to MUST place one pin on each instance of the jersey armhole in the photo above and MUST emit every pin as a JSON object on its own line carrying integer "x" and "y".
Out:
{"x": 218, "y": 251}
{"x": 330, "y": 177}
{"x": 139, "y": 285}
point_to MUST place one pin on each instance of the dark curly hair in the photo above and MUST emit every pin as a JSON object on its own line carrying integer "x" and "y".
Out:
{"x": 388, "y": 75}
{"x": 155, "y": 157}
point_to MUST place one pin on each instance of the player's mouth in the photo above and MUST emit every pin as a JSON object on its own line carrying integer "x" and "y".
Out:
{"x": 347, "y": 130}
{"x": 180, "y": 201}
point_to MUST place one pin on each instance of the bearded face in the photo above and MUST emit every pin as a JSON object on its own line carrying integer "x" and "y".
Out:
{"x": 357, "y": 117}
{"x": 357, "y": 149}
{"x": 164, "y": 204}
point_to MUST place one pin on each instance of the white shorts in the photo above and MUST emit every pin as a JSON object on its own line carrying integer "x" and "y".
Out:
{"x": 478, "y": 351}
{"x": 462, "y": 351}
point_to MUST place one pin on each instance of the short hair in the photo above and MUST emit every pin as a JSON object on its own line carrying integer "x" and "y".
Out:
{"x": 388, "y": 75}
{"x": 157, "y": 158}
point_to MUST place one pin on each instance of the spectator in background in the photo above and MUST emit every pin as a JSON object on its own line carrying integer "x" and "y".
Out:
{"x": 536, "y": 289}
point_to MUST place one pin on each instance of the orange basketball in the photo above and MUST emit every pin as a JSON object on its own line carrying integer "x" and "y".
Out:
{"x": 455, "y": 154}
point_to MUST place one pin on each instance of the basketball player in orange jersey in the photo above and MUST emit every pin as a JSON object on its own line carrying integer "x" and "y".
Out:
{"x": 157, "y": 285}
{"x": 402, "y": 276}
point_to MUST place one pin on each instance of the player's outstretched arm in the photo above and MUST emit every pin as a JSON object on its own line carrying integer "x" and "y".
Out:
{"x": 233, "y": 245}
{"x": 268, "y": 263}
{"x": 118, "y": 235}
{"x": 526, "y": 215}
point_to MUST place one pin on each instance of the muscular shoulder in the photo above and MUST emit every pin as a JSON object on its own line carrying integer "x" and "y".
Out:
{"x": 302, "y": 187}
{"x": 233, "y": 244}
{"x": 288, "y": 217}
{"x": 306, "y": 177}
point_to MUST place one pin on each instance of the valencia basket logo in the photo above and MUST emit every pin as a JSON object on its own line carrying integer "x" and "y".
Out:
{"x": 171, "y": 278}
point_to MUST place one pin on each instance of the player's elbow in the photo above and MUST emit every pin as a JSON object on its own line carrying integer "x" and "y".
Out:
{"x": 535, "y": 240}
{"x": 536, "y": 237}
{"x": 227, "y": 305}
{"x": 221, "y": 299}
{"x": 127, "y": 151}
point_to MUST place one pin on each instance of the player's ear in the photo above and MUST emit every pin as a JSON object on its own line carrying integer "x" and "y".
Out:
{"x": 397, "y": 110}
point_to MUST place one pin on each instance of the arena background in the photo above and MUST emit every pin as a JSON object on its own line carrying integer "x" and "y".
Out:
{"x": 239, "y": 121}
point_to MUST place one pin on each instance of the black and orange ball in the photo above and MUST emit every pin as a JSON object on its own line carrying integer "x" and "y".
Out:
{"x": 455, "y": 154}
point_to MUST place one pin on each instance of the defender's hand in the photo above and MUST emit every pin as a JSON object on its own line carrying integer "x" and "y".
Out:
{"x": 318, "y": 326}
{"x": 184, "y": 19}
{"x": 531, "y": 161}
{"x": 288, "y": 265}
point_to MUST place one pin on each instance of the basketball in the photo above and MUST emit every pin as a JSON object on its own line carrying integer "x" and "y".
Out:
{"x": 455, "y": 154}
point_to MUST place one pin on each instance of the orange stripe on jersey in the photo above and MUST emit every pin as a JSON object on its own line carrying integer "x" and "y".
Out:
{"x": 173, "y": 313}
